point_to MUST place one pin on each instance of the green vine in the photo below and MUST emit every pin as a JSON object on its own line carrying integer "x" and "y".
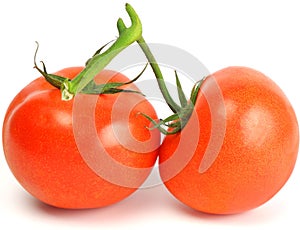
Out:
{"x": 84, "y": 83}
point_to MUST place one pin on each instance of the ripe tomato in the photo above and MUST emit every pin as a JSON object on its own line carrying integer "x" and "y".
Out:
{"x": 54, "y": 152}
{"x": 238, "y": 149}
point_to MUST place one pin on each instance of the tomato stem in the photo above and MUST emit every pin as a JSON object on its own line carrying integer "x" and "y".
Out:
{"x": 182, "y": 113}
{"x": 127, "y": 35}
{"x": 158, "y": 74}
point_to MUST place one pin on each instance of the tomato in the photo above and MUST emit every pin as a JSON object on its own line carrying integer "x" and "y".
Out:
{"x": 239, "y": 147}
{"x": 52, "y": 146}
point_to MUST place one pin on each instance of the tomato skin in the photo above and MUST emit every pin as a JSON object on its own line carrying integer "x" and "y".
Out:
{"x": 257, "y": 153}
{"x": 41, "y": 150}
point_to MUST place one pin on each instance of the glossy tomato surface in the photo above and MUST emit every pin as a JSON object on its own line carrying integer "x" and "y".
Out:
{"x": 238, "y": 149}
{"x": 88, "y": 152}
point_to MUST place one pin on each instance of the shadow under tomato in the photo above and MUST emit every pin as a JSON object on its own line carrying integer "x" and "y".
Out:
{"x": 138, "y": 207}
{"x": 144, "y": 205}
{"x": 261, "y": 215}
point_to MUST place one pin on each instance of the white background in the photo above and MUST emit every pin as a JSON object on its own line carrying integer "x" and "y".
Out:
{"x": 260, "y": 34}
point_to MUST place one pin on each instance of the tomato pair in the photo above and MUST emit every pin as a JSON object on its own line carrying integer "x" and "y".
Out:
{"x": 237, "y": 150}
{"x": 228, "y": 149}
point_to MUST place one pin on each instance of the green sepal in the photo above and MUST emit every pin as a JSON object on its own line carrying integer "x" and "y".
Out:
{"x": 111, "y": 87}
{"x": 98, "y": 52}
{"x": 195, "y": 90}
{"x": 181, "y": 95}
{"x": 171, "y": 128}
{"x": 157, "y": 125}
{"x": 55, "y": 80}
{"x": 108, "y": 88}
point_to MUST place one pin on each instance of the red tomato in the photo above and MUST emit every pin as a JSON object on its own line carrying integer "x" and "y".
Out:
{"x": 52, "y": 146}
{"x": 238, "y": 149}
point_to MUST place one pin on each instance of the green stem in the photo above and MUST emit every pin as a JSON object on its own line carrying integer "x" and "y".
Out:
{"x": 159, "y": 77}
{"x": 126, "y": 37}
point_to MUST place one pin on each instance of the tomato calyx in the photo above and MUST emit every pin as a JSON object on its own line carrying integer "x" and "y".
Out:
{"x": 91, "y": 88}
{"x": 177, "y": 121}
